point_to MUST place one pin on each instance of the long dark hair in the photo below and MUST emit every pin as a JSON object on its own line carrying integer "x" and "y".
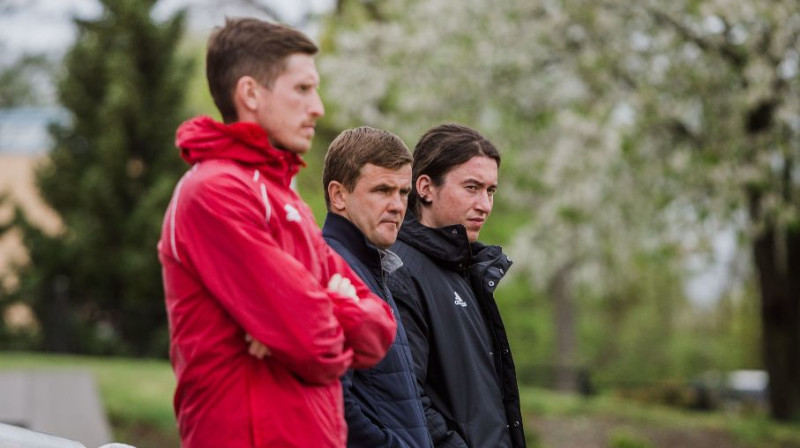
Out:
{"x": 443, "y": 148}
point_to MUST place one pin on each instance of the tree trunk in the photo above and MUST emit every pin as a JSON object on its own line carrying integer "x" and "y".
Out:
{"x": 564, "y": 314}
{"x": 58, "y": 328}
{"x": 777, "y": 258}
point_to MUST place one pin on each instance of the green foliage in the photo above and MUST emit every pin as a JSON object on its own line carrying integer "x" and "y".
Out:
{"x": 95, "y": 285}
{"x": 527, "y": 317}
{"x": 198, "y": 96}
{"x": 631, "y": 133}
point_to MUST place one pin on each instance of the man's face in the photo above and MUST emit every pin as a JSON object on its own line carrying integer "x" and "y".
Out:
{"x": 378, "y": 202}
{"x": 466, "y": 196}
{"x": 289, "y": 111}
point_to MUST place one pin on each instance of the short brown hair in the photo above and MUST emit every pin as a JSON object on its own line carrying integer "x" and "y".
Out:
{"x": 249, "y": 47}
{"x": 443, "y": 148}
{"x": 354, "y": 148}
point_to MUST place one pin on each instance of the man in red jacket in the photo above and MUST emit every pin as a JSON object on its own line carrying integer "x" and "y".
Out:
{"x": 243, "y": 258}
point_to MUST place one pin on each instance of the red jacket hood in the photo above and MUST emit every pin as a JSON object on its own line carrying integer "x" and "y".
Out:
{"x": 203, "y": 138}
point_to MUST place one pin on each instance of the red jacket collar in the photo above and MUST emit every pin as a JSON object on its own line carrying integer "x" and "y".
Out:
{"x": 203, "y": 138}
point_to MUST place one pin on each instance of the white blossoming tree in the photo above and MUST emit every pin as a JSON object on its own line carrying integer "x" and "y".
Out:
{"x": 624, "y": 126}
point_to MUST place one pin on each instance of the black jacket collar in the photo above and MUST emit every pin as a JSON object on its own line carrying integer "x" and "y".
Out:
{"x": 339, "y": 228}
{"x": 448, "y": 246}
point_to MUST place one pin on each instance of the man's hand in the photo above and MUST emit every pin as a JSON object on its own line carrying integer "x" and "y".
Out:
{"x": 342, "y": 286}
{"x": 256, "y": 348}
{"x": 337, "y": 283}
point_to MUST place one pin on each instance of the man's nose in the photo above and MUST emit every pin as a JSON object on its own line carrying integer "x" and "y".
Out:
{"x": 317, "y": 109}
{"x": 398, "y": 203}
{"x": 484, "y": 202}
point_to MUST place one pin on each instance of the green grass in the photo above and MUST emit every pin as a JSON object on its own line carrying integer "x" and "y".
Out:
{"x": 137, "y": 395}
{"x": 755, "y": 431}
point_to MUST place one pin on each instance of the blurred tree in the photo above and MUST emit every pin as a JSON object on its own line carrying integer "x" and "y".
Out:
{"x": 714, "y": 90}
{"x": 494, "y": 67}
{"x": 96, "y": 285}
{"x": 632, "y": 133}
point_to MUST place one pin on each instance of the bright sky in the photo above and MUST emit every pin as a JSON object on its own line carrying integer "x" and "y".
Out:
{"x": 45, "y": 25}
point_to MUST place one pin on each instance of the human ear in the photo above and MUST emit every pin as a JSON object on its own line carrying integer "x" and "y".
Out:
{"x": 246, "y": 93}
{"x": 338, "y": 195}
{"x": 424, "y": 189}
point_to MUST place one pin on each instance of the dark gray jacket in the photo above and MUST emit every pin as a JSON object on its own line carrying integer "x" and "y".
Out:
{"x": 445, "y": 293}
{"x": 382, "y": 405}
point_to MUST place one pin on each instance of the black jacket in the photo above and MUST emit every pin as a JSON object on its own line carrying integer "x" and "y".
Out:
{"x": 445, "y": 293}
{"x": 382, "y": 405}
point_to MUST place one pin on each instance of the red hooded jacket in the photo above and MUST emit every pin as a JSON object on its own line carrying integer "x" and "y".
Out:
{"x": 241, "y": 253}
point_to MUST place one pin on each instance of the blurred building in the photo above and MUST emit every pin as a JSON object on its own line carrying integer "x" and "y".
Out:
{"x": 24, "y": 143}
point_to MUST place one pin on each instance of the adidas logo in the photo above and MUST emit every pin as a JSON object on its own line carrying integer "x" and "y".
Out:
{"x": 459, "y": 301}
{"x": 292, "y": 215}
